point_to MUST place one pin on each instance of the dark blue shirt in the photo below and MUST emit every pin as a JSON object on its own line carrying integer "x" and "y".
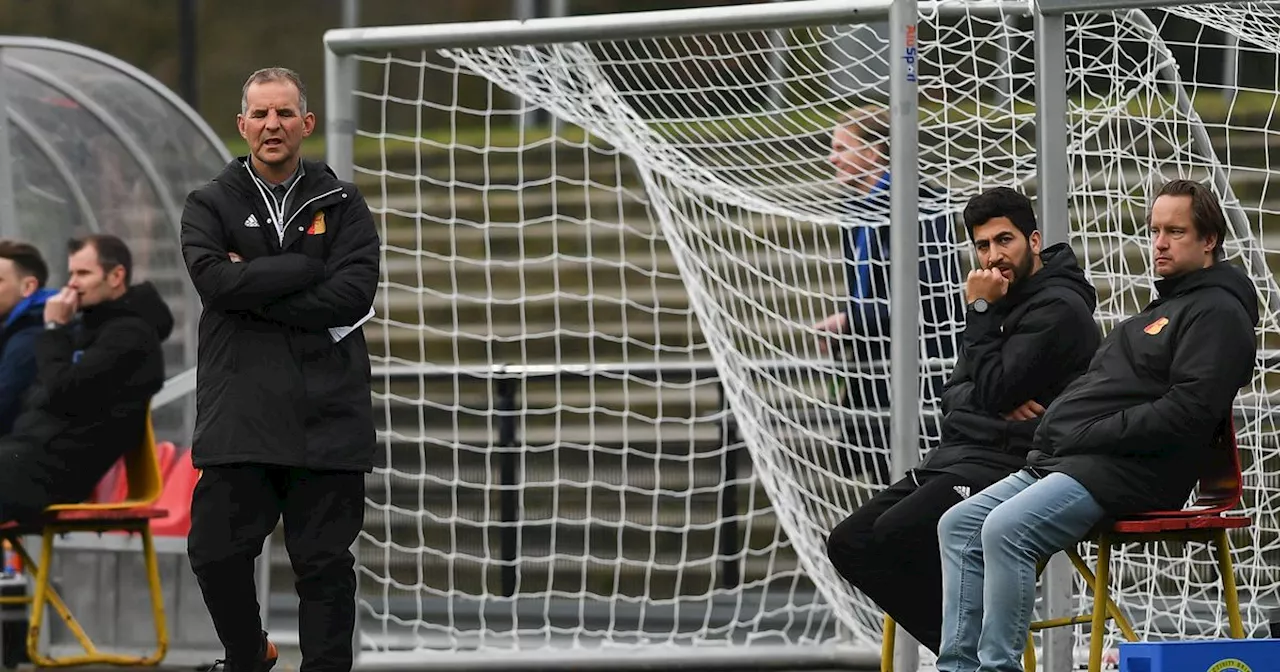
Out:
{"x": 866, "y": 251}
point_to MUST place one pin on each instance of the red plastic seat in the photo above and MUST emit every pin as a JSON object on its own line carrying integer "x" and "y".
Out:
{"x": 114, "y": 485}
{"x": 1157, "y": 525}
{"x": 176, "y": 498}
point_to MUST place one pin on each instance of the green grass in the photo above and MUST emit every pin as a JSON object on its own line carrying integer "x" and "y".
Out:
{"x": 1249, "y": 108}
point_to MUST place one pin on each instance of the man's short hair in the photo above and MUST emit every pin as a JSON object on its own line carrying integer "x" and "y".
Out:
{"x": 112, "y": 252}
{"x": 26, "y": 258}
{"x": 1001, "y": 202}
{"x": 1206, "y": 211}
{"x": 869, "y": 122}
{"x": 274, "y": 74}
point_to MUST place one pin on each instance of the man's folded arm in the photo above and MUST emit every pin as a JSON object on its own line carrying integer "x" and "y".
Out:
{"x": 226, "y": 285}
{"x": 346, "y": 294}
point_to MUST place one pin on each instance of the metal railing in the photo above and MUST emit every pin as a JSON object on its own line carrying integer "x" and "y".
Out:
{"x": 506, "y": 385}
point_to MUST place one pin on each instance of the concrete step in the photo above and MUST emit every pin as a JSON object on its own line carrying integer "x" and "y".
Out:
{"x": 417, "y": 440}
{"x": 464, "y": 166}
{"x": 652, "y": 574}
{"x": 572, "y": 397}
{"x": 539, "y": 338}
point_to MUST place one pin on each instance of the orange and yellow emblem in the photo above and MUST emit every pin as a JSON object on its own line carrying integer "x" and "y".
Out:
{"x": 1155, "y": 327}
{"x": 317, "y": 225}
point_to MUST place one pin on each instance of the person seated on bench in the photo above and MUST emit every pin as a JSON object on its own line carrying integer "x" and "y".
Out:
{"x": 23, "y": 274}
{"x": 98, "y": 363}
{"x": 1130, "y": 435}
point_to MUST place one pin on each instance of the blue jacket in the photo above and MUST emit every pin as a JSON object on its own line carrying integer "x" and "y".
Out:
{"x": 18, "y": 354}
{"x": 866, "y": 252}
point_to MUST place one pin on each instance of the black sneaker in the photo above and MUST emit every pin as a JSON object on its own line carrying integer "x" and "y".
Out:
{"x": 269, "y": 656}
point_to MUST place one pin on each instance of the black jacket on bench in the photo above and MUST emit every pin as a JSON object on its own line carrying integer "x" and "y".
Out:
{"x": 1030, "y": 345}
{"x": 1135, "y": 429}
{"x": 88, "y": 405}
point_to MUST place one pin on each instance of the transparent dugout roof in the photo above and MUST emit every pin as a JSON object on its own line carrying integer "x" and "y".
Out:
{"x": 89, "y": 143}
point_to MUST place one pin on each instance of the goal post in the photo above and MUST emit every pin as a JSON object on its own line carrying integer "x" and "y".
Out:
{"x": 616, "y": 422}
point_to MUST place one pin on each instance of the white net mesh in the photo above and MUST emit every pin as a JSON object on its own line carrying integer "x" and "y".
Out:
{"x": 564, "y": 305}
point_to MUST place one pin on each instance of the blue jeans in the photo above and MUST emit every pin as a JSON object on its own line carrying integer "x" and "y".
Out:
{"x": 990, "y": 545}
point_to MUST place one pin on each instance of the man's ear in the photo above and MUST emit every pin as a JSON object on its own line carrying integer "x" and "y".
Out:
{"x": 29, "y": 285}
{"x": 1036, "y": 242}
{"x": 115, "y": 277}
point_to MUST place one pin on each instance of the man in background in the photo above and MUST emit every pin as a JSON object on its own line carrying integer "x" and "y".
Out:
{"x": 98, "y": 363}
{"x": 23, "y": 275}
{"x": 860, "y": 155}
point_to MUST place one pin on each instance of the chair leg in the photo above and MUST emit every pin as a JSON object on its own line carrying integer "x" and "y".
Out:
{"x": 888, "y": 641}
{"x": 1226, "y": 569}
{"x": 43, "y": 593}
{"x": 157, "y": 596}
{"x": 1029, "y": 653}
{"x": 1101, "y": 597}
{"x": 1112, "y": 608}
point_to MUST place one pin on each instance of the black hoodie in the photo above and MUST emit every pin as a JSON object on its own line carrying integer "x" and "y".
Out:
{"x": 1135, "y": 429}
{"x": 88, "y": 405}
{"x": 1030, "y": 345}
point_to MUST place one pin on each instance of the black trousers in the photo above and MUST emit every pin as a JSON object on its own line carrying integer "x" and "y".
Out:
{"x": 888, "y": 549}
{"x": 233, "y": 510}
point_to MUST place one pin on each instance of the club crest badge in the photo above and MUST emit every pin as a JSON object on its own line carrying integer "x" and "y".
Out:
{"x": 317, "y": 225}
{"x": 1155, "y": 327}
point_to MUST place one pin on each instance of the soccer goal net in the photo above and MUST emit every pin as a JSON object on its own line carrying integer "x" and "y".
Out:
{"x": 620, "y": 404}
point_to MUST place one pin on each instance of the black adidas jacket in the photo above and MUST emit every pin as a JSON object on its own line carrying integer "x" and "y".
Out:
{"x": 1030, "y": 345}
{"x": 272, "y": 385}
{"x": 1135, "y": 429}
{"x": 88, "y": 403}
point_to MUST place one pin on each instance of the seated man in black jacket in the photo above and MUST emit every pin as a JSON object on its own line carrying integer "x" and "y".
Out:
{"x": 98, "y": 363}
{"x": 1028, "y": 333}
{"x": 1132, "y": 434}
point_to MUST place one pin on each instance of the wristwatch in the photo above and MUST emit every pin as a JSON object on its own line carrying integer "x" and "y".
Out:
{"x": 979, "y": 306}
{"x": 51, "y": 325}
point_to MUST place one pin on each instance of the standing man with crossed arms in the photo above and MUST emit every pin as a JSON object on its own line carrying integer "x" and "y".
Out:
{"x": 285, "y": 257}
